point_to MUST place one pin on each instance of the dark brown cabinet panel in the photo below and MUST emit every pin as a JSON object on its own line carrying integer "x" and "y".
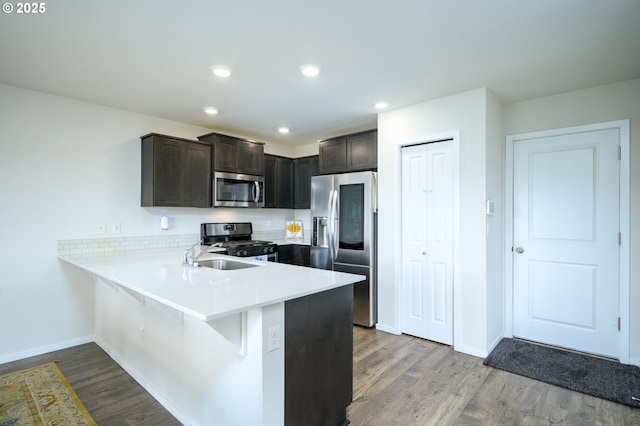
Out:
{"x": 294, "y": 254}
{"x": 350, "y": 153}
{"x": 318, "y": 360}
{"x": 278, "y": 182}
{"x": 301, "y": 255}
{"x": 175, "y": 172}
{"x": 197, "y": 175}
{"x": 235, "y": 155}
{"x": 285, "y": 254}
{"x": 333, "y": 156}
{"x": 362, "y": 151}
{"x": 304, "y": 168}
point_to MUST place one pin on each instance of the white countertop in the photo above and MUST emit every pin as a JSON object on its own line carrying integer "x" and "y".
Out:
{"x": 207, "y": 293}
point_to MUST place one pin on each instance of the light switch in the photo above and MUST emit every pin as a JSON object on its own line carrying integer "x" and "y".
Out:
{"x": 491, "y": 208}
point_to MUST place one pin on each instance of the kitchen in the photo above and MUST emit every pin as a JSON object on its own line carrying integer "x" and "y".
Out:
{"x": 68, "y": 165}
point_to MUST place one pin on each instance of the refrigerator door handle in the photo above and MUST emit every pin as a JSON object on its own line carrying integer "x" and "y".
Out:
{"x": 334, "y": 224}
{"x": 329, "y": 227}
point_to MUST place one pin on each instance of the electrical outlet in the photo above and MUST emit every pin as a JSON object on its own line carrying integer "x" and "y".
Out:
{"x": 274, "y": 338}
{"x": 101, "y": 228}
{"x": 115, "y": 228}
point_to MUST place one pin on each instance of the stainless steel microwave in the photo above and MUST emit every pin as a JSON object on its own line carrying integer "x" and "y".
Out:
{"x": 237, "y": 190}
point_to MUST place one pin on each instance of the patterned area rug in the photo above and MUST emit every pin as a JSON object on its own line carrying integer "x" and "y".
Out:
{"x": 40, "y": 396}
{"x": 579, "y": 372}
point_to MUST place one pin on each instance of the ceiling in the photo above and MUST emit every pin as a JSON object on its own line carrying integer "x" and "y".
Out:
{"x": 154, "y": 56}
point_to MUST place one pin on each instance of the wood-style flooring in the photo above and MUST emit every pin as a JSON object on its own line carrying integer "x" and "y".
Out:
{"x": 398, "y": 380}
{"x": 111, "y": 396}
{"x": 403, "y": 380}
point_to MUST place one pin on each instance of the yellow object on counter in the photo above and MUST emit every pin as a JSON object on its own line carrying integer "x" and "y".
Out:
{"x": 293, "y": 229}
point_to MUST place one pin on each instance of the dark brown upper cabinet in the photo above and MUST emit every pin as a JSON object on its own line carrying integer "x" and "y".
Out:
{"x": 175, "y": 172}
{"x": 303, "y": 169}
{"x": 350, "y": 153}
{"x": 278, "y": 182}
{"x": 235, "y": 155}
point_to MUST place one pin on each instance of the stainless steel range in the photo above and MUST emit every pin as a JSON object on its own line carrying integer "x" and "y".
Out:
{"x": 235, "y": 238}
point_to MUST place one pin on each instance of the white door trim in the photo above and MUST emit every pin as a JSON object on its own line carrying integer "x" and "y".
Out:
{"x": 397, "y": 289}
{"x": 624, "y": 295}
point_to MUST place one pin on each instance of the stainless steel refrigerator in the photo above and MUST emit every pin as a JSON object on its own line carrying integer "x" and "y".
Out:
{"x": 344, "y": 219}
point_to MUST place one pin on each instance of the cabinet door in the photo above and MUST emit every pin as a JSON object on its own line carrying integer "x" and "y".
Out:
{"x": 333, "y": 156}
{"x": 284, "y": 183}
{"x": 285, "y": 253}
{"x": 226, "y": 154}
{"x": 362, "y": 151}
{"x": 270, "y": 181}
{"x": 250, "y": 158}
{"x": 167, "y": 172}
{"x": 304, "y": 168}
{"x": 197, "y": 175}
{"x": 301, "y": 255}
{"x": 175, "y": 172}
{"x": 278, "y": 177}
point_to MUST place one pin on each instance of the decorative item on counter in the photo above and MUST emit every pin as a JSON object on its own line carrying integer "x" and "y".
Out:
{"x": 293, "y": 228}
{"x": 164, "y": 223}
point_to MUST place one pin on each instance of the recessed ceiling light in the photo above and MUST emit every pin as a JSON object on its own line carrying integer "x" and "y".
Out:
{"x": 221, "y": 71}
{"x": 283, "y": 130}
{"x": 211, "y": 110}
{"x": 381, "y": 105}
{"x": 310, "y": 70}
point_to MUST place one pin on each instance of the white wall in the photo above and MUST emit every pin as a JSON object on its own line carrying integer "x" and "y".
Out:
{"x": 495, "y": 223}
{"x": 65, "y": 166}
{"x": 467, "y": 113}
{"x": 598, "y": 104}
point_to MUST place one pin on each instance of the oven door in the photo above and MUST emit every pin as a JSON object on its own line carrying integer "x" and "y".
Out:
{"x": 237, "y": 190}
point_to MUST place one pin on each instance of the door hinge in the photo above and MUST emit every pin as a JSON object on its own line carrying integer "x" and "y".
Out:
{"x": 619, "y": 238}
{"x": 619, "y": 153}
{"x": 618, "y": 323}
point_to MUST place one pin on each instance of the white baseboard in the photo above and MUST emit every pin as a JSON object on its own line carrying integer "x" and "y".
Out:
{"x": 493, "y": 345}
{"x": 471, "y": 351}
{"x": 133, "y": 372}
{"x": 45, "y": 349}
{"x": 387, "y": 329}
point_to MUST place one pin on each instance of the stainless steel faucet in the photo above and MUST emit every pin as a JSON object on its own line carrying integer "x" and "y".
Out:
{"x": 190, "y": 257}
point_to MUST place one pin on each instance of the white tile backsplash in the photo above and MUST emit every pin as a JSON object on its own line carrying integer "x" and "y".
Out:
{"x": 84, "y": 248}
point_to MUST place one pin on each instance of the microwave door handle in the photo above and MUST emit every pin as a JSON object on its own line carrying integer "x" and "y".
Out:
{"x": 256, "y": 191}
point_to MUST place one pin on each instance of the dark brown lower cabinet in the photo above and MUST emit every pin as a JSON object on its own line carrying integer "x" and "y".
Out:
{"x": 294, "y": 254}
{"x": 319, "y": 358}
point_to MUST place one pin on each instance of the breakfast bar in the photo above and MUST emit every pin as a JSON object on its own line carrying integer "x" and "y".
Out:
{"x": 211, "y": 342}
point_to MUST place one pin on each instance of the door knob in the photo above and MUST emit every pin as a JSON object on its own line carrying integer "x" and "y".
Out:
{"x": 519, "y": 250}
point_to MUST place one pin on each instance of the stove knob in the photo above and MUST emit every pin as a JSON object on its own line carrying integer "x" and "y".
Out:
{"x": 244, "y": 252}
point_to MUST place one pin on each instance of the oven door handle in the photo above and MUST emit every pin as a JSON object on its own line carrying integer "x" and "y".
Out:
{"x": 256, "y": 191}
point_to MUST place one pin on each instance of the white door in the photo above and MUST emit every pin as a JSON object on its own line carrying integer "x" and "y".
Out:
{"x": 565, "y": 240}
{"x": 427, "y": 241}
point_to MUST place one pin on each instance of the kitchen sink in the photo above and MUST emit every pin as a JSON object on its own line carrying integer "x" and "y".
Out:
{"x": 225, "y": 264}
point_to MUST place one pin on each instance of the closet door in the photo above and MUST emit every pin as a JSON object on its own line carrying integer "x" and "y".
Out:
{"x": 427, "y": 241}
